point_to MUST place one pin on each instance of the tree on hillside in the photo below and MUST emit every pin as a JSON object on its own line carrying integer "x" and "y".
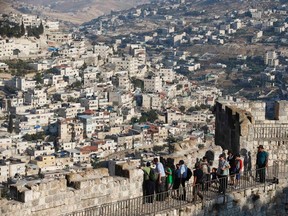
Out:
{"x": 10, "y": 124}
{"x": 137, "y": 83}
{"x": 38, "y": 78}
{"x": 182, "y": 108}
{"x": 35, "y": 31}
{"x": 41, "y": 29}
{"x": 149, "y": 116}
{"x": 22, "y": 29}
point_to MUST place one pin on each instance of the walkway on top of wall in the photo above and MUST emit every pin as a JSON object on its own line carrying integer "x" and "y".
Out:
{"x": 150, "y": 205}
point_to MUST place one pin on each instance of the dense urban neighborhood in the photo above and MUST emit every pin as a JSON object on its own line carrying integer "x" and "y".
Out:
{"x": 135, "y": 84}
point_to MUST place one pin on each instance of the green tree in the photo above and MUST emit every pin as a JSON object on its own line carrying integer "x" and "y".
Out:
{"x": 191, "y": 109}
{"x": 171, "y": 140}
{"x": 34, "y": 137}
{"x": 22, "y": 29}
{"x": 158, "y": 148}
{"x": 137, "y": 83}
{"x": 149, "y": 116}
{"x": 95, "y": 162}
{"x": 10, "y": 124}
{"x": 40, "y": 28}
{"x": 38, "y": 78}
{"x": 182, "y": 108}
{"x": 179, "y": 86}
{"x": 134, "y": 120}
{"x": 35, "y": 31}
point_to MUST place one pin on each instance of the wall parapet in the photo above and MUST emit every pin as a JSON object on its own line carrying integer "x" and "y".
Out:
{"x": 76, "y": 191}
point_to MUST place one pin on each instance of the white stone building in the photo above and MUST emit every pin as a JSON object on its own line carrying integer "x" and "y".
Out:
{"x": 153, "y": 84}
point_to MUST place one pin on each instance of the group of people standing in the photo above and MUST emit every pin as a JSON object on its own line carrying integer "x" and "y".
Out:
{"x": 163, "y": 180}
{"x": 232, "y": 167}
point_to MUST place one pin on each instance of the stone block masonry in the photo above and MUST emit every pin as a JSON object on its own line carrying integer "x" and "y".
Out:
{"x": 77, "y": 191}
{"x": 242, "y": 127}
{"x": 254, "y": 201}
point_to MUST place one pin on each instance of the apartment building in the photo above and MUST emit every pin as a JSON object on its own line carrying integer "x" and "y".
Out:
{"x": 9, "y": 168}
{"x": 69, "y": 130}
{"x": 153, "y": 84}
{"x": 36, "y": 97}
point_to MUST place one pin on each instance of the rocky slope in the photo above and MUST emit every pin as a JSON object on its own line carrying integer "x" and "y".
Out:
{"x": 76, "y": 11}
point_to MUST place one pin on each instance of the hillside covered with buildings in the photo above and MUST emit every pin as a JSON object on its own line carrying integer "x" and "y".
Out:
{"x": 84, "y": 107}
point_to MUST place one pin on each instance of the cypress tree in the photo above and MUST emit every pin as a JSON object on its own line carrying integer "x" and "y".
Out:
{"x": 10, "y": 124}
{"x": 22, "y": 31}
{"x": 41, "y": 29}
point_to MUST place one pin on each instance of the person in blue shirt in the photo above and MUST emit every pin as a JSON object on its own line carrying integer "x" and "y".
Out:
{"x": 182, "y": 174}
{"x": 261, "y": 163}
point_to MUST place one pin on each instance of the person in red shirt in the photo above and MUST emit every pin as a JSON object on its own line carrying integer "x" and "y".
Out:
{"x": 238, "y": 169}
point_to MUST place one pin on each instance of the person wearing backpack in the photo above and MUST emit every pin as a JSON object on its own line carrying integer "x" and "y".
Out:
{"x": 149, "y": 183}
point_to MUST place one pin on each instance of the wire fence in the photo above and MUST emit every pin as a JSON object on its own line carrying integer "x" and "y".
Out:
{"x": 199, "y": 193}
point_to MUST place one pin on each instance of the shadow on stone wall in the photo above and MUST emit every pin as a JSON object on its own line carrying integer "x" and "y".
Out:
{"x": 272, "y": 202}
{"x": 247, "y": 160}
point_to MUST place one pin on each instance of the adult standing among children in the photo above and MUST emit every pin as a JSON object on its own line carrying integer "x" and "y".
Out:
{"x": 176, "y": 183}
{"x": 206, "y": 171}
{"x": 161, "y": 180}
{"x": 198, "y": 181}
{"x": 262, "y": 163}
{"x": 231, "y": 161}
{"x": 183, "y": 175}
{"x": 149, "y": 184}
{"x": 223, "y": 172}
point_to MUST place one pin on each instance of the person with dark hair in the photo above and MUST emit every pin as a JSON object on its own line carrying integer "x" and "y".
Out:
{"x": 214, "y": 177}
{"x": 169, "y": 179}
{"x": 262, "y": 163}
{"x": 231, "y": 161}
{"x": 223, "y": 172}
{"x": 161, "y": 180}
{"x": 238, "y": 168}
{"x": 176, "y": 184}
{"x": 182, "y": 177}
{"x": 206, "y": 170}
{"x": 198, "y": 181}
{"x": 149, "y": 184}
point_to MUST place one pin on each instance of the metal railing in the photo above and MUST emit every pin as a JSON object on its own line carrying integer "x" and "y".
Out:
{"x": 175, "y": 199}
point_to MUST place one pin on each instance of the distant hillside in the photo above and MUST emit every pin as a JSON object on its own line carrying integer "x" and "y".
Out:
{"x": 76, "y": 12}
{"x": 6, "y": 7}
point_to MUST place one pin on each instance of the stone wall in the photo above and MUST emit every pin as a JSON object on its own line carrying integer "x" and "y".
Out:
{"x": 76, "y": 192}
{"x": 242, "y": 128}
{"x": 259, "y": 201}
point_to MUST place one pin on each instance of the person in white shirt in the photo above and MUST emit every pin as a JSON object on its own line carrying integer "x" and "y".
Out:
{"x": 161, "y": 180}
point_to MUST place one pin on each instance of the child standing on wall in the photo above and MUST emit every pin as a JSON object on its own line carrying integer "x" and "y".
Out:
{"x": 238, "y": 169}
{"x": 214, "y": 178}
{"x": 169, "y": 179}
